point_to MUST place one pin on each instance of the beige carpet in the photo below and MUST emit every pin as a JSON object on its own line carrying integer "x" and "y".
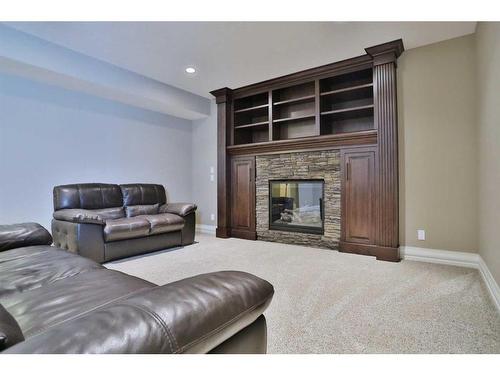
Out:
{"x": 329, "y": 302}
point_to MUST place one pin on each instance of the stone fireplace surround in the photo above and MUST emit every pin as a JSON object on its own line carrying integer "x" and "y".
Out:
{"x": 300, "y": 165}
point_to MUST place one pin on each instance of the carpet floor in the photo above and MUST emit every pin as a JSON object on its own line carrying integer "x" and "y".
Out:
{"x": 331, "y": 302}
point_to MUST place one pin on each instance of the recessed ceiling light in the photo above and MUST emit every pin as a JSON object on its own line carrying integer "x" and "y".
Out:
{"x": 190, "y": 70}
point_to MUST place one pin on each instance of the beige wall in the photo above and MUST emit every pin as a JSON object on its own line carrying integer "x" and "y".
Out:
{"x": 437, "y": 140}
{"x": 488, "y": 104}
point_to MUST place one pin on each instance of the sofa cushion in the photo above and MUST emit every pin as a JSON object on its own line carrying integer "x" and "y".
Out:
{"x": 79, "y": 215}
{"x": 142, "y": 209}
{"x": 25, "y": 234}
{"x": 163, "y": 223}
{"x": 181, "y": 209}
{"x": 10, "y": 332}
{"x": 88, "y": 196}
{"x": 31, "y": 267}
{"x": 134, "y": 194}
{"x": 129, "y": 227}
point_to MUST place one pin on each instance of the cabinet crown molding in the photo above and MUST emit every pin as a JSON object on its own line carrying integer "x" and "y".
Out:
{"x": 222, "y": 95}
{"x": 386, "y": 52}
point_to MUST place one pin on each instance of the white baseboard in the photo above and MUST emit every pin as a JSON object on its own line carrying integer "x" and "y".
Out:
{"x": 205, "y": 228}
{"x": 490, "y": 282}
{"x": 454, "y": 258}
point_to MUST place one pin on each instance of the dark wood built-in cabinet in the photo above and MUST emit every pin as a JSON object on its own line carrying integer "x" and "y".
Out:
{"x": 358, "y": 196}
{"x": 350, "y": 106}
{"x": 243, "y": 197}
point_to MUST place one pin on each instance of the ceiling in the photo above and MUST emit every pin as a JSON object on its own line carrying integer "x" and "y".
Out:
{"x": 232, "y": 54}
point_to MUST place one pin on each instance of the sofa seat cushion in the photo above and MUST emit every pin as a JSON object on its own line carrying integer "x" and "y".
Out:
{"x": 38, "y": 310}
{"x": 31, "y": 267}
{"x": 79, "y": 215}
{"x": 129, "y": 227}
{"x": 163, "y": 223}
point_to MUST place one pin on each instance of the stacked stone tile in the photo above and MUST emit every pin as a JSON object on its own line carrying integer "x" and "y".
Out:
{"x": 300, "y": 165}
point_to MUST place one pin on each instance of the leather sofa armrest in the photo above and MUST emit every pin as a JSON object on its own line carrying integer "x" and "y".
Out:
{"x": 21, "y": 235}
{"x": 193, "y": 315}
{"x": 181, "y": 209}
{"x": 81, "y": 216}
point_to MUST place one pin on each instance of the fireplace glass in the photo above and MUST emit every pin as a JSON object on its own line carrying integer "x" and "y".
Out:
{"x": 296, "y": 205}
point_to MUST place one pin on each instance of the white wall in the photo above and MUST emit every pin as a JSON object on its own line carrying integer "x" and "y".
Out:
{"x": 204, "y": 157}
{"x": 51, "y": 136}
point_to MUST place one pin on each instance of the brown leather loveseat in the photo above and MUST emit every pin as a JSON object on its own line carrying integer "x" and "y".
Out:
{"x": 106, "y": 221}
{"x": 53, "y": 301}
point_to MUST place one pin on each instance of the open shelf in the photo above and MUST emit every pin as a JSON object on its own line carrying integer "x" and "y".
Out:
{"x": 347, "y": 120}
{"x": 292, "y": 93}
{"x": 346, "y": 103}
{"x": 306, "y": 98}
{"x": 254, "y": 125}
{"x": 349, "y": 112}
{"x": 346, "y": 81}
{"x": 253, "y": 133}
{"x": 347, "y": 89}
{"x": 251, "y": 119}
{"x": 251, "y": 101}
{"x": 252, "y": 108}
{"x": 295, "y": 118}
{"x": 294, "y": 111}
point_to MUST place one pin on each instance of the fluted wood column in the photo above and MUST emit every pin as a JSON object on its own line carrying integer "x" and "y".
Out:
{"x": 386, "y": 122}
{"x": 223, "y": 98}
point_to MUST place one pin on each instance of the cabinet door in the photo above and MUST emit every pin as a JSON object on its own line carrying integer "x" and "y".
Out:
{"x": 358, "y": 197}
{"x": 243, "y": 197}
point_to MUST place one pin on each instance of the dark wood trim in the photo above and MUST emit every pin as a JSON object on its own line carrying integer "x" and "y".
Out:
{"x": 317, "y": 108}
{"x": 223, "y": 98}
{"x": 390, "y": 254}
{"x": 244, "y": 234}
{"x": 323, "y": 142}
{"x": 386, "y": 53}
{"x": 384, "y": 77}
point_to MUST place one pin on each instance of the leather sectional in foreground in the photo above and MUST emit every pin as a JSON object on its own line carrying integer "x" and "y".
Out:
{"x": 54, "y": 301}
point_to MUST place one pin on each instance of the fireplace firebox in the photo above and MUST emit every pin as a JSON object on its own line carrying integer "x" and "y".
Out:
{"x": 296, "y": 205}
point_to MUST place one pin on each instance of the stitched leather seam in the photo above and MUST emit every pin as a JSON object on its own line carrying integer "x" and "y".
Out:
{"x": 160, "y": 321}
{"x": 220, "y": 328}
{"x": 42, "y": 330}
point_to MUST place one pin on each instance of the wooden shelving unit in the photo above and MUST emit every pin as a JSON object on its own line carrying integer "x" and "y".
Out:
{"x": 251, "y": 119}
{"x": 349, "y": 106}
{"x": 347, "y": 103}
{"x": 336, "y": 104}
